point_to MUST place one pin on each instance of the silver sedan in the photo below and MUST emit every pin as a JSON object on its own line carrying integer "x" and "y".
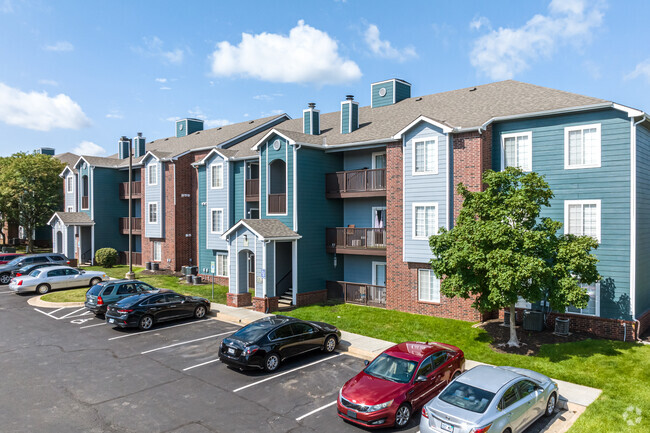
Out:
{"x": 490, "y": 399}
{"x": 43, "y": 280}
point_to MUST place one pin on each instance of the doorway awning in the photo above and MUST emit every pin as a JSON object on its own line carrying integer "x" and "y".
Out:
{"x": 265, "y": 229}
{"x": 72, "y": 219}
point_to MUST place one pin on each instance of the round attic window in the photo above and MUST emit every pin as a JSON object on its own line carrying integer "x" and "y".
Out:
{"x": 382, "y": 92}
{"x": 276, "y": 144}
{"x": 180, "y": 126}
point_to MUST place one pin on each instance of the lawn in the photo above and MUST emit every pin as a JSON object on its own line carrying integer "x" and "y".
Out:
{"x": 160, "y": 281}
{"x": 621, "y": 370}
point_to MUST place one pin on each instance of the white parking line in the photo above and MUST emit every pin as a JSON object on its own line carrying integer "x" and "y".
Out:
{"x": 48, "y": 314}
{"x": 201, "y": 364}
{"x": 316, "y": 410}
{"x": 90, "y": 326}
{"x": 70, "y": 314}
{"x": 77, "y": 315}
{"x": 286, "y": 372}
{"x": 153, "y": 330}
{"x": 185, "y": 342}
{"x": 5, "y": 293}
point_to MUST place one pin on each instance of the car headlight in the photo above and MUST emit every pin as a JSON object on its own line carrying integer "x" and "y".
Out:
{"x": 376, "y": 407}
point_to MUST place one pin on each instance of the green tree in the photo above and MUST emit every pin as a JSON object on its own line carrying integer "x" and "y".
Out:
{"x": 7, "y": 210}
{"x": 500, "y": 249}
{"x": 31, "y": 187}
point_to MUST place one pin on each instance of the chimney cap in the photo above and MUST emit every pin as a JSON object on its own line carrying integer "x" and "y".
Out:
{"x": 139, "y": 134}
{"x": 349, "y": 97}
{"x": 311, "y": 105}
{"x": 123, "y": 138}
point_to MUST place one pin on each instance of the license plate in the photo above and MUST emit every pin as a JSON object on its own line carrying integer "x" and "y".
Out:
{"x": 231, "y": 351}
{"x": 111, "y": 320}
{"x": 446, "y": 427}
{"x": 352, "y": 414}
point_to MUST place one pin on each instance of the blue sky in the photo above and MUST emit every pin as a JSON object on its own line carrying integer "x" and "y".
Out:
{"x": 78, "y": 75}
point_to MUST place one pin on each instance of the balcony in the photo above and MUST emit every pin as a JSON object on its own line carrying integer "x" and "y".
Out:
{"x": 135, "y": 257}
{"x": 84, "y": 202}
{"x": 277, "y": 204}
{"x": 357, "y": 293}
{"x": 136, "y": 226}
{"x": 136, "y": 190}
{"x": 356, "y": 183}
{"x": 252, "y": 190}
{"x": 352, "y": 240}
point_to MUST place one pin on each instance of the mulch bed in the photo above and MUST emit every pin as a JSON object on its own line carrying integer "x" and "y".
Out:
{"x": 529, "y": 341}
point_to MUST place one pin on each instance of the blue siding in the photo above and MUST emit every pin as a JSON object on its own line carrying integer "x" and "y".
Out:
{"x": 217, "y": 198}
{"x": 316, "y": 121}
{"x": 359, "y": 159}
{"x": 268, "y": 155}
{"x": 642, "y": 221}
{"x": 387, "y": 99}
{"x": 358, "y": 269}
{"x": 402, "y": 91}
{"x": 238, "y": 264}
{"x": 85, "y": 172}
{"x": 238, "y": 199}
{"x": 609, "y": 183}
{"x": 359, "y": 211}
{"x": 423, "y": 189}
{"x": 70, "y": 197}
{"x": 109, "y": 209}
{"x": 306, "y": 122}
{"x": 154, "y": 193}
{"x": 345, "y": 116}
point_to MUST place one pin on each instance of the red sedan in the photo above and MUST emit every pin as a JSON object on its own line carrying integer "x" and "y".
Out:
{"x": 398, "y": 383}
{"x": 7, "y": 257}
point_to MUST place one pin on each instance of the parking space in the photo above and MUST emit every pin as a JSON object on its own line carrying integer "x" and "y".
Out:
{"x": 165, "y": 379}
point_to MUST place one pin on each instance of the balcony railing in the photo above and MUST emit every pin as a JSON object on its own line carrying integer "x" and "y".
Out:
{"x": 352, "y": 240}
{"x": 84, "y": 202}
{"x": 252, "y": 190}
{"x": 136, "y": 226}
{"x": 277, "y": 203}
{"x": 136, "y": 190}
{"x": 357, "y": 293}
{"x": 135, "y": 257}
{"x": 356, "y": 183}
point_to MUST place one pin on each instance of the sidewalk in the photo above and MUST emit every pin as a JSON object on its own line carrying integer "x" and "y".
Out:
{"x": 368, "y": 348}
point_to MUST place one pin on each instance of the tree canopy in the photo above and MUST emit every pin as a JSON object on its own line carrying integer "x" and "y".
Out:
{"x": 500, "y": 249}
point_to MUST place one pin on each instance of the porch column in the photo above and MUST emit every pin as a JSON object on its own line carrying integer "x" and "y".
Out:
{"x": 238, "y": 294}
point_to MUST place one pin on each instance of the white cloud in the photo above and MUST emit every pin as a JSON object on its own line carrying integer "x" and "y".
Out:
{"x": 642, "y": 70}
{"x": 89, "y": 148}
{"x": 153, "y": 47}
{"x": 479, "y": 22}
{"x": 384, "y": 48}
{"x": 307, "y": 55}
{"x": 173, "y": 118}
{"x": 39, "y": 111}
{"x": 502, "y": 53}
{"x": 271, "y": 113}
{"x": 198, "y": 113}
{"x": 59, "y": 46}
{"x": 114, "y": 114}
{"x": 161, "y": 80}
{"x": 165, "y": 88}
{"x": 267, "y": 97}
{"x": 215, "y": 123}
{"x": 48, "y": 83}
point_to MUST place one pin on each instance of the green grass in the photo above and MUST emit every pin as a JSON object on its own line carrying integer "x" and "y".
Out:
{"x": 160, "y": 281}
{"x": 621, "y": 370}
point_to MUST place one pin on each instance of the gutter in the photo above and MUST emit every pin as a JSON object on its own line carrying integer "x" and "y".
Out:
{"x": 633, "y": 209}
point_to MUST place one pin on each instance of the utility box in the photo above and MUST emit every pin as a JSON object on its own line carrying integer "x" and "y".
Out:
{"x": 533, "y": 320}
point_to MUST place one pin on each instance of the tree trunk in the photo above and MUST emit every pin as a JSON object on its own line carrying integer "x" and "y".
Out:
{"x": 30, "y": 240}
{"x": 514, "y": 341}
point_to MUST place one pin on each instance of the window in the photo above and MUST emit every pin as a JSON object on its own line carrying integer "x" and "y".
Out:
{"x": 125, "y": 289}
{"x": 153, "y": 213}
{"x": 176, "y": 299}
{"x": 108, "y": 290}
{"x": 428, "y": 286}
{"x": 142, "y": 287}
{"x": 69, "y": 183}
{"x": 517, "y": 150}
{"x": 425, "y": 368}
{"x": 301, "y": 328}
{"x": 582, "y": 218}
{"x": 526, "y": 388}
{"x": 425, "y": 220}
{"x": 509, "y": 397}
{"x": 71, "y": 272}
{"x": 437, "y": 359}
{"x": 216, "y": 176}
{"x": 426, "y": 157}
{"x": 593, "y": 306}
{"x": 281, "y": 332}
{"x": 378, "y": 160}
{"x": 222, "y": 265}
{"x": 152, "y": 177}
{"x": 582, "y": 146}
{"x": 157, "y": 251}
{"x": 69, "y": 209}
{"x": 216, "y": 225}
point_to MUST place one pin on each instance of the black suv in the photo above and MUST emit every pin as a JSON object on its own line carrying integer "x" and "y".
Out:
{"x": 29, "y": 259}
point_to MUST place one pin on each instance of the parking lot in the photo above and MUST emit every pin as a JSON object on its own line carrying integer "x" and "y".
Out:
{"x": 64, "y": 370}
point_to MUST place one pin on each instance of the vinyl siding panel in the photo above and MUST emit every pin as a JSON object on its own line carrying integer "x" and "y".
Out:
{"x": 402, "y": 91}
{"x": 359, "y": 211}
{"x": 345, "y": 118}
{"x": 268, "y": 155}
{"x": 238, "y": 199}
{"x": 70, "y": 197}
{"x": 609, "y": 183}
{"x": 85, "y": 172}
{"x": 154, "y": 193}
{"x": 381, "y": 101}
{"x": 358, "y": 269}
{"x": 238, "y": 263}
{"x": 217, "y": 198}
{"x": 109, "y": 209}
{"x": 642, "y": 220}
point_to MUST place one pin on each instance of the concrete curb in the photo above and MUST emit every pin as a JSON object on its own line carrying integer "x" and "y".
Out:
{"x": 36, "y": 301}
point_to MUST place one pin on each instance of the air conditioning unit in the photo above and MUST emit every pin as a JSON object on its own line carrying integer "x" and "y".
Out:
{"x": 533, "y": 320}
{"x": 561, "y": 326}
{"x": 506, "y": 317}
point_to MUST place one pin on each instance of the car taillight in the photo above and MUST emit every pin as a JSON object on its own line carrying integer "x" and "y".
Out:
{"x": 18, "y": 274}
{"x": 250, "y": 350}
{"x": 424, "y": 413}
{"x": 20, "y": 283}
{"x": 481, "y": 429}
{"x": 100, "y": 301}
{"x": 124, "y": 311}
{"x": 68, "y": 262}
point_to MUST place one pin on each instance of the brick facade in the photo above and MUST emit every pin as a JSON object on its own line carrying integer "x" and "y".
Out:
{"x": 472, "y": 156}
{"x": 222, "y": 281}
{"x": 238, "y": 299}
{"x": 265, "y": 305}
{"x": 309, "y": 298}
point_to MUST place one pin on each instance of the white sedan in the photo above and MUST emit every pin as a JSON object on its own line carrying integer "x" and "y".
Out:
{"x": 43, "y": 280}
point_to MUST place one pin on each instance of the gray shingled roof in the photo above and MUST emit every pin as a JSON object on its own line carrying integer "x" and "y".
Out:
{"x": 267, "y": 228}
{"x": 74, "y": 218}
{"x": 68, "y": 159}
{"x": 464, "y": 108}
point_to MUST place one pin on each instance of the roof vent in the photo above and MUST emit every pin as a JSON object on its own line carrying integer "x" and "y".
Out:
{"x": 349, "y": 97}
{"x": 251, "y": 122}
{"x": 472, "y": 89}
{"x": 311, "y": 120}
{"x": 419, "y": 99}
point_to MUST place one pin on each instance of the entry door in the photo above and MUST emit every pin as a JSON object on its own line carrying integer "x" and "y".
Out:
{"x": 379, "y": 273}
{"x": 250, "y": 266}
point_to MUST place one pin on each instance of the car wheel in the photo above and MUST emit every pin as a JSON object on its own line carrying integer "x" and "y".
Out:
{"x": 95, "y": 281}
{"x": 145, "y": 323}
{"x": 403, "y": 415}
{"x": 42, "y": 289}
{"x": 199, "y": 312}
{"x": 271, "y": 362}
{"x": 507, "y": 431}
{"x": 5, "y": 279}
{"x": 330, "y": 344}
{"x": 550, "y": 405}
{"x": 455, "y": 375}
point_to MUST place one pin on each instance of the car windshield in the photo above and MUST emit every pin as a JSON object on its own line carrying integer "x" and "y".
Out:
{"x": 35, "y": 273}
{"x": 15, "y": 261}
{"x": 94, "y": 290}
{"x": 252, "y": 332}
{"x": 392, "y": 368}
{"x": 467, "y": 397}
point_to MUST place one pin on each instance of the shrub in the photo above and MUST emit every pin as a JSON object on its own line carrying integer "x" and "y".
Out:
{"x": 106, "y": 257}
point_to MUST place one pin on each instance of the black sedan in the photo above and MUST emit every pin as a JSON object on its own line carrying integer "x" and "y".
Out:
{"x": 267, "y": 342}
{"x": 147, "y": 309}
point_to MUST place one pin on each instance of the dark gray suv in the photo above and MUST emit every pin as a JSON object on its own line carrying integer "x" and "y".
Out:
{"x": 30, "y": 259}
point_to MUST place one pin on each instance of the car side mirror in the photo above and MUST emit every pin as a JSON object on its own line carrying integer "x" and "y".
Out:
{"x": 539, "y": 389}
{"x": 421, "y": 379}
{"x": 82, "y": 272}
{"x": 366, "y": 362}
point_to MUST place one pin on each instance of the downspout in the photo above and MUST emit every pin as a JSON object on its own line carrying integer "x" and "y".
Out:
{"x": 296, "y": 147}
{"x": 633, "y": 219}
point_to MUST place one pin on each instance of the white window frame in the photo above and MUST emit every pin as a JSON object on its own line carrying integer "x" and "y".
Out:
{"x": 433, "y": 170}
{"x": 436, "y": 279}
{"x": 70, "y": 209}
{"x": 597, "y": 301}
{"x": 527, "y": 134}
{"x": 567, "y": 203}
{"x": 222, "y": 271}
{"x": 153, "y": 165}
{"x": 149, "y": 212}
{"x": 413, "y": 219}
{"x": 157, "y": 251}
{"x": 220, "y": 228}
{"x": 220, "y": 178}
{"x": 374, "y": 271}
{"x": 569, "y": 129}
{"x": 69, "y": 184}
{"x": 374, "y": 154}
